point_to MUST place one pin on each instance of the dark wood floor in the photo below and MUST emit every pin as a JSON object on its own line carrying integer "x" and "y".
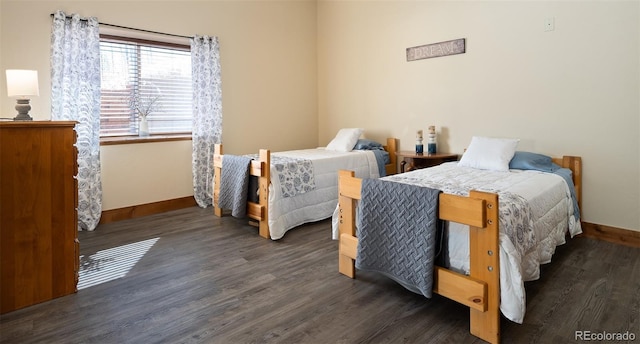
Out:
{"x": 212, "y": 280}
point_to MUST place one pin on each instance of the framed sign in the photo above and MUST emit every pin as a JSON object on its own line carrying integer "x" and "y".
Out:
{"x": 453, "y": 47}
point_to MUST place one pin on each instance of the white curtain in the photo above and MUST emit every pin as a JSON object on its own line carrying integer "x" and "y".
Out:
{"x": 207, "y": 114}
{"x": 75, "y": 96}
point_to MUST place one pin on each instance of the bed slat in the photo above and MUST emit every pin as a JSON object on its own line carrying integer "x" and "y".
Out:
{"x": 256, "y": 168}
{"x": 465, "y": 210}
{"x": 255, "y": 211}
{"x": 349, "y": 246}
{"x": 460, "y": 288}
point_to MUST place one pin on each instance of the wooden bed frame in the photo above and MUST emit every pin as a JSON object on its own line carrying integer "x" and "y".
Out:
{"x": 480, "y": 291}
{"x": 260, "y": 211}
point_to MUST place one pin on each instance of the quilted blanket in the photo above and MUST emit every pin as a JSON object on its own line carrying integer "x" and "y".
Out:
{"x": 296, "y": 175}
{"x": 234, "y": 182}
{"x": 397, "y": 229}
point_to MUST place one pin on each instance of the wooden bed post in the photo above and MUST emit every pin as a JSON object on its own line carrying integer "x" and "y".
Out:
{"x": 574, "y": 163}
{"x": 392, "y": 148}
{"x": 217, "y": 170}
{"x": 265, "y": 178}
{"x": 484, "y": 252}
{"x": 348, "y": 243}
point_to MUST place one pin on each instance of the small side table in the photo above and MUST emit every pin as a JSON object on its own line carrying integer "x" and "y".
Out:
{"x": 412, "y": 161}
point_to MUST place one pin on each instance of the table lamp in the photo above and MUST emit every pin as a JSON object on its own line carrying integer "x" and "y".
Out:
{"x": 22, "y": 84}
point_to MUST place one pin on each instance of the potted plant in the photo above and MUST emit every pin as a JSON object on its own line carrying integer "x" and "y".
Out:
{"x": 143, "y": 106}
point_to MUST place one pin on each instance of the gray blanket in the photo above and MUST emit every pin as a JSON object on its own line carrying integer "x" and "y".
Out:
{"x": 234, "y": 183}
{"x": 397, "y": 229}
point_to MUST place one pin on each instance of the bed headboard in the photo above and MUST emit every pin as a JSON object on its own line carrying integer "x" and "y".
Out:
{"x": 392, "y": 148}
{"x": 574, "y": 163}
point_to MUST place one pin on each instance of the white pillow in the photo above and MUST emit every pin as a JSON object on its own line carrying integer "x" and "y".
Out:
{"x": 345, "y": 140}
{"x": 486, "y": 153}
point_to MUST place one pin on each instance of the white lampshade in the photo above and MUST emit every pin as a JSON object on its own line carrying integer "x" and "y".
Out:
{"x": 22, "y": 83}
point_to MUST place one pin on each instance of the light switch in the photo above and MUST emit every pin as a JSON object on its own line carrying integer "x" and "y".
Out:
{"x": 549, "y": 24}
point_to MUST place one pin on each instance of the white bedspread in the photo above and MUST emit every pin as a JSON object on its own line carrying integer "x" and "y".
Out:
{"x": 286, "y": 213}
{"x": 550, "y": 211}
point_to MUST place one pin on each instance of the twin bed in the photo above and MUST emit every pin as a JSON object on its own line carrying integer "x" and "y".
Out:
{"x": 504, "y": 213}
{"x": 277, "y": 208}
{"x": 500, "y": 225}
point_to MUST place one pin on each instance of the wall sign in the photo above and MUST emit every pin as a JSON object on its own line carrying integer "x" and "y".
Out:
{"x": 456, "y": 46}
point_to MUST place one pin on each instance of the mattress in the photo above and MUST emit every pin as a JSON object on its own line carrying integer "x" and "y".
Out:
{"x": 536, "y": 211}
{"x": 286, "y": 213}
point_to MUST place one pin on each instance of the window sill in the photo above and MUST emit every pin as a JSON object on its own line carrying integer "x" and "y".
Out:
{"x": 124, "y": 140}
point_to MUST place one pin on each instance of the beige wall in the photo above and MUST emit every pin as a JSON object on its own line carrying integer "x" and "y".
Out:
{"x": 321, "y": 66}
{"x": 268, "y": 57}
{"x": 572, "y": 91}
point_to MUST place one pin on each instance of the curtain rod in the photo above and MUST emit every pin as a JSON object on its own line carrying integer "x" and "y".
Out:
{"x": 136, "y": 29}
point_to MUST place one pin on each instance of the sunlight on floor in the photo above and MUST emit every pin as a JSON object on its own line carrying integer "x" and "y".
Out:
{"x": 114, "y": 263}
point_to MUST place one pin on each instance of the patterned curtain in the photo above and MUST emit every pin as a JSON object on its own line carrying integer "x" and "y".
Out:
{"x": 207, "y": 114}
{"x": 75, "y": 96}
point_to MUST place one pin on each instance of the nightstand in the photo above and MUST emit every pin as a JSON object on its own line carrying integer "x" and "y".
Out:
{"x": 412, "y": 161}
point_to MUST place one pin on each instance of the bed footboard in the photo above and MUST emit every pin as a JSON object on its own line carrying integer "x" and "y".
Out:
{"x": 480, "y": 291}
{"x": 259, "y": 168}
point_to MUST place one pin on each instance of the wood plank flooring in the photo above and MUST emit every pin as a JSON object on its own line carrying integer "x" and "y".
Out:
{"x": 214, "y": 280}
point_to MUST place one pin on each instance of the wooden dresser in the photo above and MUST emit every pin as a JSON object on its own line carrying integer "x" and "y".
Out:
{"x": 38, "y": 223}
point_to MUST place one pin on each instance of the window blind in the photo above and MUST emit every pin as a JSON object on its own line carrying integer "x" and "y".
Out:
{"x": 144, "y": 70}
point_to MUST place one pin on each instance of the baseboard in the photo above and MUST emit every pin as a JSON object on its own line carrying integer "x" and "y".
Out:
{"x": 146, "y": 209}
{"x": 589, "y": 230}
{"x": 611, "y": 234}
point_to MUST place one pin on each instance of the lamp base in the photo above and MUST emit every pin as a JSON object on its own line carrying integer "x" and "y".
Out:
{"x": 23, "y": 108}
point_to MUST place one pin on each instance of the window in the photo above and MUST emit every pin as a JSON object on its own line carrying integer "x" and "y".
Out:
{"x": 148, "y": 71}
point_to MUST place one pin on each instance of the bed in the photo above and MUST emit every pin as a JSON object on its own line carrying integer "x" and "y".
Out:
{"x": 493, "y": 278}
{"x": 275, "y": 210}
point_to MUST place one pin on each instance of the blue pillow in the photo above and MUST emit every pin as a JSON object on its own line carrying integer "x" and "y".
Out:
{"x": 364, "y": 144}
{"x": 532, "y": 161}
